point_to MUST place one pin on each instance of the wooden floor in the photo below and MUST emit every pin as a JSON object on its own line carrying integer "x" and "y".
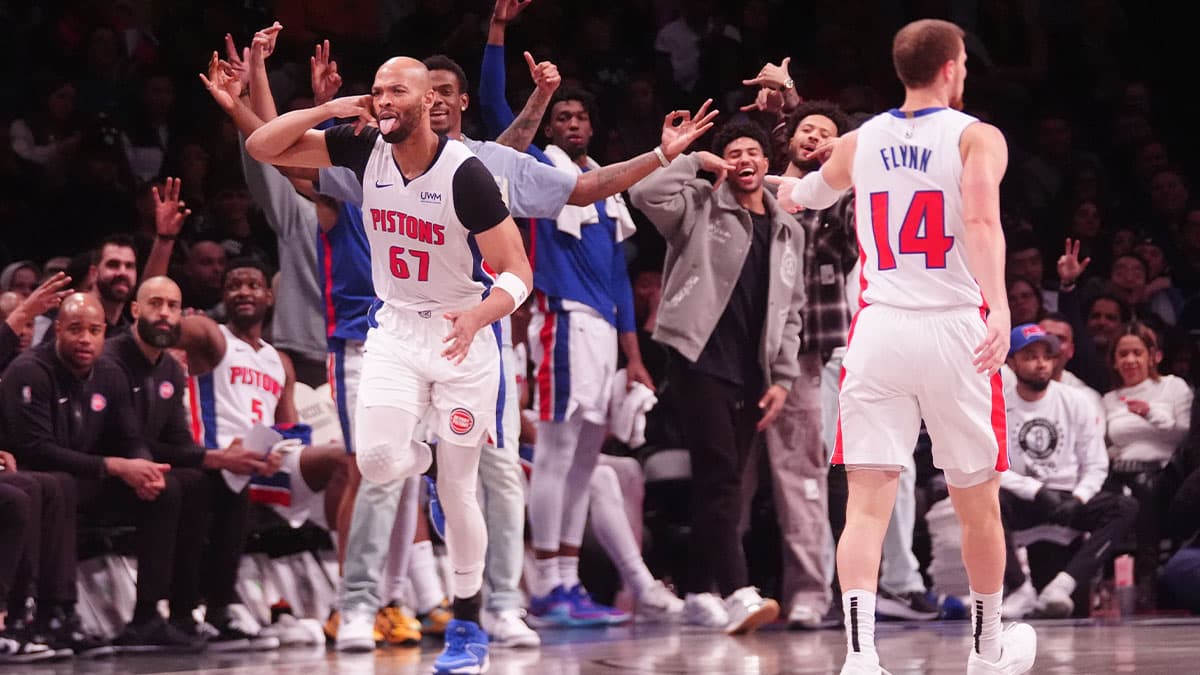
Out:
{"x": 1144, "y": 647}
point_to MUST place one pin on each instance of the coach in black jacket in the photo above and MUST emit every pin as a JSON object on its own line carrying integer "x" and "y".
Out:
{"x": 68, "y": 411}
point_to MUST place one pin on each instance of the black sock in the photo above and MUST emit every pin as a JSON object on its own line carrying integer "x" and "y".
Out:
{"x": 144, "y": 614}
{"x": 467, "y": 609}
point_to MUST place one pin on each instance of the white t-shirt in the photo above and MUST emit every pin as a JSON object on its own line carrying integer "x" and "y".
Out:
{"x": 1155, "y": 437}
{"x": 1057, "y": 442}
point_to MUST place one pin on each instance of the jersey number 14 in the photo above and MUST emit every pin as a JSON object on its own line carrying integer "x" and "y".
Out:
{"x": 927, "y": 207}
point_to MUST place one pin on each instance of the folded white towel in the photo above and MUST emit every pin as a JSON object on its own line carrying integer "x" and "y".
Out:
{"x": 572, "y": 218}
{"x": 627, "y": 410}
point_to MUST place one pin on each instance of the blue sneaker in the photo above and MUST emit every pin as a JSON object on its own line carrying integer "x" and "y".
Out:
{"x": 466, "y": 651}
{"x": 584, "y": 609}
{"x": 437, "y": 517}
{"x": 551, "y": 610}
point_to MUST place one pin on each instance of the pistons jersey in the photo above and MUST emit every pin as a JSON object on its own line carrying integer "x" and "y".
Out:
{"x": 242, "y": 389}
{"x": 907, "y": 174}
{"x": 421, "y": 230}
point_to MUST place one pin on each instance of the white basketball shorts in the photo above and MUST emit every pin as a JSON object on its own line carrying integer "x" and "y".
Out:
{"x": 905, "y": 365}
{"x": 574, "y": 353}
{"x": 403, "y": 367}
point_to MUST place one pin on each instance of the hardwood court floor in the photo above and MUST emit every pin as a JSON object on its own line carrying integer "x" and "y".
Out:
{"x": 1145, "y": 647}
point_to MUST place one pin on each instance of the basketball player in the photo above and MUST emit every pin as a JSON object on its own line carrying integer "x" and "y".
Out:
{"x": 927, "y": 184}
{"x": 435, "y": 214}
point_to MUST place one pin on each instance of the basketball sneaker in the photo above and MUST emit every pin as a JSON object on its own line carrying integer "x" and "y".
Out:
{"x": 550, "y": 610}
{"x": 1018, "y": 651}
{"x": 748, "y": 611}
{"x": 507, "y": 628}
{"x": 466, "y": 651}
{"x": 658, "y": 603}
{"x": 397, "y": 627}
{"x": 913, "y": 606}
{"x": 705, "y": 609}
{"x": 356, "y": 631}
{"x": 584, "y": 609}
{"x": 1020, "y": 603}
{"x": 434, "y": 621}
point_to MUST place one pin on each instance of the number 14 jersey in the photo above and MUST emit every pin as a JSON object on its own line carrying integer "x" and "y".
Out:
{"x": 908, "y": 200}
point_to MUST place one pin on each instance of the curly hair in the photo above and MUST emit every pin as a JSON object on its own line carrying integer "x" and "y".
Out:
{"x": 740, "y": 129}
{"x": 819, "y": 107}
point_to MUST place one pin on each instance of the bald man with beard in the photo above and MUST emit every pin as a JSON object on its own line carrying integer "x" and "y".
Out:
{"x": 68, "y": 412}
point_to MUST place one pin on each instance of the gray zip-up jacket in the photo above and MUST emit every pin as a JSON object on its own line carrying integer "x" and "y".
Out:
{"x": 708, "y": 237}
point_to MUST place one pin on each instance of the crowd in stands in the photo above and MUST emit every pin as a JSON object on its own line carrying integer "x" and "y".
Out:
{"x": 144, "y": 252}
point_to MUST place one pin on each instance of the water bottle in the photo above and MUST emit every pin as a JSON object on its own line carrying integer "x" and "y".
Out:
{"x": 1123, "y": 580}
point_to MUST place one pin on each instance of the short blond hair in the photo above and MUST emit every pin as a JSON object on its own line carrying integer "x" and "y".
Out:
{"x": 921, "y": 48}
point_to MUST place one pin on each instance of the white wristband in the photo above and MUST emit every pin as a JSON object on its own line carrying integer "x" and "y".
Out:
{"x": 514, "y": 286}
{"x": 812, "y": 192}
{"x": 662, "y": 156}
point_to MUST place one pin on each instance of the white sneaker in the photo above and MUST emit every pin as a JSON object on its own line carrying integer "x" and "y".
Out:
{"x": 1054, "y": 603}
{"x": 290, "y": 632}
{"x": 705, "y": 609}
{"x": 1020, "y": 603}
{"x": 804, "y": 617}
{"x": 507, "y": 628}
{"x": 862, "y": 666}
{"x": 658, "y": 603}
{"x": 357, "y": 631}
{"x": 748, "y": 611}
{"x": 1018, "y": 651}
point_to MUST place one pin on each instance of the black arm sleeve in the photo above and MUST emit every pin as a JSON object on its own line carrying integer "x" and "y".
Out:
{"x": 477, "y": 198}
{"x": 346, "y": 149}
{"x": 10, "y": 345}
{"x": 28, "y": 399}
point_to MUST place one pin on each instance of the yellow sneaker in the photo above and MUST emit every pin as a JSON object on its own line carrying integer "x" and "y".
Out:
{"x": 335, "y": 620}
{"x": 396, "y": 627}
{"x": 435, "y": 620}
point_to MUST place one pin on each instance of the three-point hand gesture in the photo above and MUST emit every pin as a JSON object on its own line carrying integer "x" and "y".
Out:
{"x": 169, "y": 210}
{"x": 545, "y": 75}
{"x": 47, "y": 296}
{"x": 767, "y": 100}
{"x": 1069, "y": 265}
{"x": 507, "y": 10}
{"x": 239, "y": 61}
{"x": 771, "y": 76}
{"x": 325, "y": 78}
{"x": 681, "y": 129}
{"x": 223, "y": 83}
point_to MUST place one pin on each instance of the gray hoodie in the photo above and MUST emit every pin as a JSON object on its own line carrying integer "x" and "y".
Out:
{"x": 708, "y": 237}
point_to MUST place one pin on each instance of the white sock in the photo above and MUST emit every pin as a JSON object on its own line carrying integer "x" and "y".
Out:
{"x": 547, "y": 576}
{"x": 568, "y": 571}
{"x": 422, "y": 572}
{"x": 1063, "y": 582}
{"x": 858, "y": 606}
{"x": 985, "y": 624}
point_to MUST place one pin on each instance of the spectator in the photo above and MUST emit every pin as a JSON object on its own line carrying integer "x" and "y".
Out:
{"x": 202, "y": 278}
{"x": 1129, "y": 281}
{"x": 1185, "y": 258}
{"x": 68, "y": 411}
{"x": 1106, "y": 314}
{"x": 1058, "y": 326}
{"x": 678, "y": 44}
{"x": 116, "y": 277}
{"x": 50, "y": 134}
{"x": 728, "y": 347}
{"x": 1169, "y": 200}
{"x": 151, "y": 129}
{"x": 235, "y": 223}
{"x": 16, "y": 333}
{"x": 1058, "y": 465}
{"x": 1147, "y": 420}
{"x": 1025, "y": 301}
{"x": 20, "y": 277}
{"x": 1025, "y": 262}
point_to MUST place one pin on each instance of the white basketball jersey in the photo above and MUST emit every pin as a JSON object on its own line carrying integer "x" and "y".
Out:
{"x": 422, "y": 257}
{"x": 908, "y": 201}
{"x": 242, "y": 389}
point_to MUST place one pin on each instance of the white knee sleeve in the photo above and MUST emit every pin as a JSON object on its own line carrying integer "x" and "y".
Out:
{"x": 466, "y": 534}
{"x": 386, "y": 449}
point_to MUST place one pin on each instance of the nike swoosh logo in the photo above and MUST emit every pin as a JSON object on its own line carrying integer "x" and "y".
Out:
{"x": 383, "y": 185}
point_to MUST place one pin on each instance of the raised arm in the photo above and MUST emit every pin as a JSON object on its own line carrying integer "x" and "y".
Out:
{"x": 262, "y": 46}
{"x": 290, "y": 139}
{"x": 204, "y": 343}
{"x": 985, "y": 158}
{"x": 680, "y": 130}
{"x": 664, "y": 196}
{"x": 169, "y": 214}
{"x": 819, "y": 189}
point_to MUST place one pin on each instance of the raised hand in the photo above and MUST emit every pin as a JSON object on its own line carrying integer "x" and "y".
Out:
{"x": 47, "y": 296}
{"x": 545, "y": 75}
{"x": 771, "y": 76}
{"x": 347, "y": 107}
{"x": 1069, "y": 265}
{"x": 223, "y": 83}
{"x": 169, "y": 210}
{"x": 681, "y": 129}
{"x": 715, "y": 164}
{"x": 507, "y": 10}
{"x": 823, "y": 150}
{"x": 324, "y": 71}
{"x": 263, "y": 44}
{"x": 238, "y": 61}
{"x": 767, "y": 100}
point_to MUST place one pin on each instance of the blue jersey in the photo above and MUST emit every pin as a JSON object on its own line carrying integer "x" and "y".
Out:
{"x": 343, "y": 265}
{"x": 590, "y": 270}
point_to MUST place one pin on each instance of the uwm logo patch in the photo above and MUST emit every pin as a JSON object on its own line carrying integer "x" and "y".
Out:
{"x": 461, "y": 421}
{"x": 431, "y": 197}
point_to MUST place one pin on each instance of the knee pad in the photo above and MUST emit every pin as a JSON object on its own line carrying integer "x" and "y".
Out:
{"x": 382, "y": 462}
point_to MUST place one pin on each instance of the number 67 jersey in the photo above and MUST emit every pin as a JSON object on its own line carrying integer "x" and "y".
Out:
{"x": 907, "y": 178}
